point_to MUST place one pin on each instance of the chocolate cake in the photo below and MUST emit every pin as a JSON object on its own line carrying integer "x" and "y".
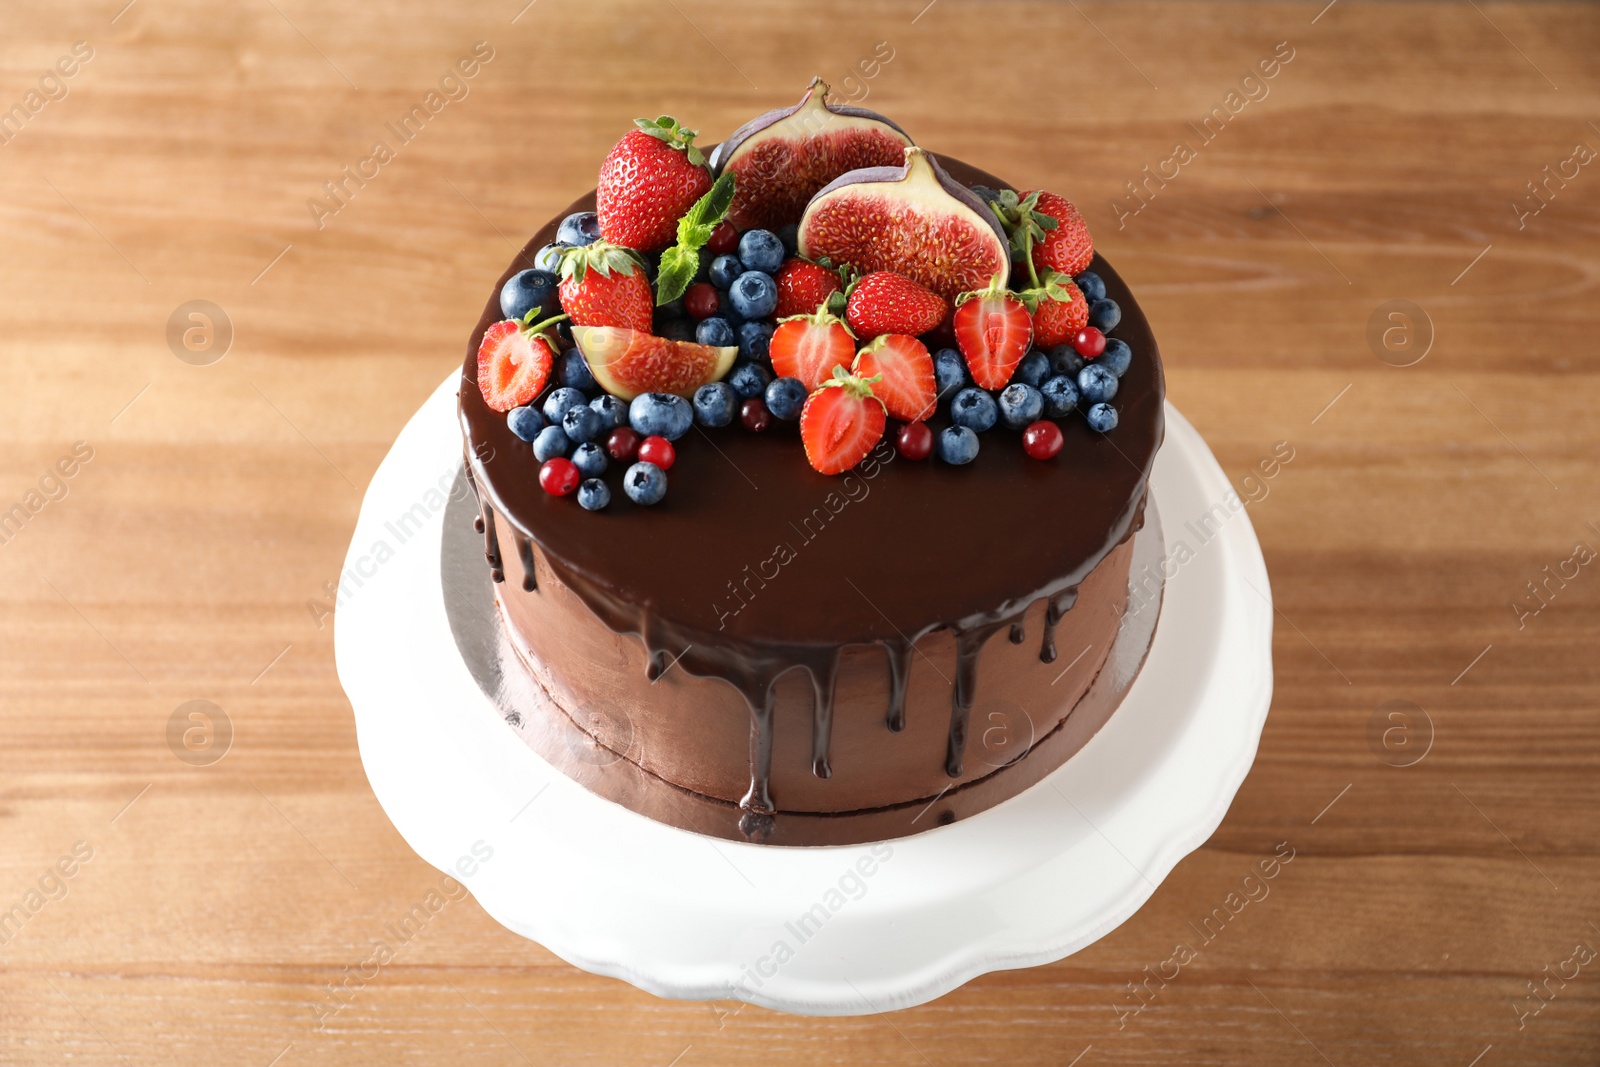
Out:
{"x": 775, "y": 654}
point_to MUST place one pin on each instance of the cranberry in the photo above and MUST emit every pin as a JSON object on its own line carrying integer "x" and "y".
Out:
{"x": 754, "y": 416}
{"x": 622, "y": 444}
{"x": 724, "y": 239}
{"x": 701, "y": 301}
{"x": 1089, "y": 342}
{"x": 1042, "y": 439}
{"x": 558, "y": 476}
{"x": 915, "y": 440}
{"x": 658, "y": 450}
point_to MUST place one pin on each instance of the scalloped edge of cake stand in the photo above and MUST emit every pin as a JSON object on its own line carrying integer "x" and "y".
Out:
{"x": 843, "y": 930}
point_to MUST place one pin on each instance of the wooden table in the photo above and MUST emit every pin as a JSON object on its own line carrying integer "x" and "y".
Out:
{"x": 212, "y": 905}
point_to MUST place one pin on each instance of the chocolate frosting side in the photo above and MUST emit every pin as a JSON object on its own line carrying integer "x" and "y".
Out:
{"x": 755, "y": 564}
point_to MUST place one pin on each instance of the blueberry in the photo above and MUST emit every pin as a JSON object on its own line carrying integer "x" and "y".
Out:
{"x": 559, "y": 402}
{"x": 1020, "y": 404}
{"x": 593, "y": 495}
{"x": 1033, "y": 370}
{"x": 589, "y": 458}
{"x": 785, "y": 398}
{"x": 1104, "y": 315}
{"x": 974, "y": 409}
{"x": 724, "y": 269}
{"x": 525, "y": 422}
{"x": 1117, "y": 357}
{"x": 1096, "y": 383}
{"x": 582, "y": 423}
{"x": 1064, "y": 359}
{"x": 748, "y": 379}
{"x": 551, "y": 442}
{"x": 754, "y": 338}
{"x": 1091, "y": 285}
{"x": 529, "y": 289}
{"x": 754, "y": 295}
{"x": 956, "y": 444}
{"x": 581, "y": 228}
{"x": 715, "y": 331}
{"x": 677, "y": 330}
{"x": 790, "y": 236}
{"x": 575, "y": 373}
{"x": 660, "y": 415}
{"x": 645, "y": 483}
{"x": 1060, "y": 396}
{"x": 714, "y": 404}
{"x": 761, "y": 250}
{"x": 612, "y": 411}
{"x": 548, "y": 258}
{"x": 726, "y": 309}
{"x": 949, "y": 371}
{"x": 1102, "y": 418}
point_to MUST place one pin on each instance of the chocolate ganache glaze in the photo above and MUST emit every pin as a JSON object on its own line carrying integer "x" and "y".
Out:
{"x": 756, "y": 564}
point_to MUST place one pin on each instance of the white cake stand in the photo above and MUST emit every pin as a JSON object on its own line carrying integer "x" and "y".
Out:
{"x": 822, "y": 931}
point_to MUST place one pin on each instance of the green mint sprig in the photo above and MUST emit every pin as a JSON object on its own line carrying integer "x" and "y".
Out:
{"x": 680, "y": 262}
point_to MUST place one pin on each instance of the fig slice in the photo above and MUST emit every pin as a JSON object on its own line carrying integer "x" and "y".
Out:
{"x": 781, "y": 159}
{"x": 913, "y": 219}
{"x": 629, "y": 362}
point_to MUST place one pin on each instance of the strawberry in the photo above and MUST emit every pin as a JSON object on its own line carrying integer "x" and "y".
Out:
{"x": 649, "y": 179}
{"x": 1059, "y": 308}
{"x": 1067, "y": 247}
{"x": 803, "y": 286}
{"x": 811, "y": 347}
{"x": 841, "y": 422}
{"x": 886, "y": 302}
{"x": 902, "y": 372}
{"x": 514, "y": 362}
{"x": 993, "y": 330}
{"x": 604, "y": 285}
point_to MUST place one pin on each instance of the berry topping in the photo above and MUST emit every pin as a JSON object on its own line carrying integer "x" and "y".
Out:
{"x": 593, "y": 495}
{"x": 645, "y": 483}
{"x": 559, "y": 402}
{"x": 1092, "y": 286}
{"x": 627, "y": 363}
{"x": 885, "y": 302}
{"x": 701, "y": 301}
{"x": 1060, "y": 396}
{"x": 809, "y": 347}
{"x": 956, "y": 445}
{"x": 590, "y": 459}
{"x": 715, "y": 404}
{"x": 558, "y": 476}
{"x": 994, "y": 331}
{"x": 1118, "y": 357}
{"x": 647, "y": 182}
{"x": 1042, "y": 439}
{"x": 579, "y": 228}
{"x": 613, "y": 411}
{"x": 659, "y": 451}
{"x": 1089, "y": 342}
{"x": 914, "y": 441}
{"x": 514, "y": 363}
{"x": 1102, "y": 418}
{"x": 1066, "y": 245}
{"x": 841, "y": 422}
{"x": 803, "y": 287}
{"x": 749, "y": 379}
{"x": 1020, "y": 405}
{"x": 950, "y": 371}
{"x": 974, "y": 409}
{"x": 785, "y": 397}
{"x": 902, "y": 374}
{"x": 623, "y": 444}
{"x": 754, "y": 416}
{"x": 761, "y": 250}
{"x": 605, "y": 285}
{"x": 582, "y": 423}
{"x": 1096, "y": 384}
{"x": 1104, "y": 315}
{"x": 530, "y": 290}
{"x": 1059, "y": 310}
{"x": 724, "y": 239}
{"x": 753, "y": 294}
{"x": 1033, "y": 370}
{"x": 725, "y": 270}
{"x": 551, "y": 443}
{"x": 716, "y": 332}
{"x": 660, "y": 415}
{"x": 525, "y": 422}
{"x": 755, "y": 341}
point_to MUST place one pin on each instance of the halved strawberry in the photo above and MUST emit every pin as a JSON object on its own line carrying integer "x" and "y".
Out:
{"x": 604, "y": 285}
{"x": 886, "y": 302}
{"x": 904, "y": 370}
{"x": 841, "y": 422}
{"x": 1059, "y": 309}
{"x": 809, "y": 347}
{"x": 993, "y": 330}
{"x": 804, "y": 286}
{"x": 513, "y": 364}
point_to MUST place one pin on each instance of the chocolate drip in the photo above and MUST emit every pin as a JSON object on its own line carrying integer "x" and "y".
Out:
{"x": 757, "y": 803}
{"x": 525, "y": 553}
{"x": 899, "y": 654}
{"x": 1018, "y": 633}
{"x": 656, "y": 657}
{"x": 968, "y": 644}
{"x": 822, "y": 683}
{"x": 491, "y": 540}
{"x": 1056, "y": 607}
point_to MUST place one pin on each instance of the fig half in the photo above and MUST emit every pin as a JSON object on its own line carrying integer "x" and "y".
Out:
{"x": 781, "y": 159}
{"x": 913, "y": 219}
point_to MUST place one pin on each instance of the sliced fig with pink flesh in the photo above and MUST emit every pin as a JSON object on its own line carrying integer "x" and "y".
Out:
{"x": 629, "y": 362}
{"x": 913, "y": 219}
{"x": 781, "y": 159}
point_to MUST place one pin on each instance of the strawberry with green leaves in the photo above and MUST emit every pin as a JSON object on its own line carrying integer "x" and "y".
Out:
{"x": 841, "y": 422}
{"x": 1058, "y": 307}
{"x": 902, "y": 374}
{"x": 810, "y": 347}
{"x": 647, "y": 182}
{"x": 604, "y": 285}
{"x": 804, "y": 286}
{"x": 514, "y": 361}
{"x": 1066, "y": 247}
{"x": 993, "y": 330}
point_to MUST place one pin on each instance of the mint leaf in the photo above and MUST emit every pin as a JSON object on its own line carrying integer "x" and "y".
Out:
{"x": 679, "y": 263}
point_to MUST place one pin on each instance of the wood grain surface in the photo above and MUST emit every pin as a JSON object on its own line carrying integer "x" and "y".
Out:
{"x": 1382, "y": 162}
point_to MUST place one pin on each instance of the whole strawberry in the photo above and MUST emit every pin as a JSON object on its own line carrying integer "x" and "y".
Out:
{"x": 885, "y": 302}
{"x": 604, "y": 285}
{"x": 649, "y": 179}
{"x": 1059, "y": 309}
{"x": 1067, "y": 247}
{"x": 803, "y": 287}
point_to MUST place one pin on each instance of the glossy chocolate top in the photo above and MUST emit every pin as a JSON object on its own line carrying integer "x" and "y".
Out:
{"x": 755, "y": 563}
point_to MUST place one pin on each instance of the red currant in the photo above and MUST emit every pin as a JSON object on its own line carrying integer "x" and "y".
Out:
{"x": 622, "y": 444}
{"x": 701, "y": 301}
{"x": 1089, "y": 342}
{"x": 724, "y": 239}
{"x": 915, "y": 440}
{"x": 658, "y": 450}
{"x": 1041, "y": 439}
{"x": 754, "y": 416}
{"x": 558, "y": 476}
